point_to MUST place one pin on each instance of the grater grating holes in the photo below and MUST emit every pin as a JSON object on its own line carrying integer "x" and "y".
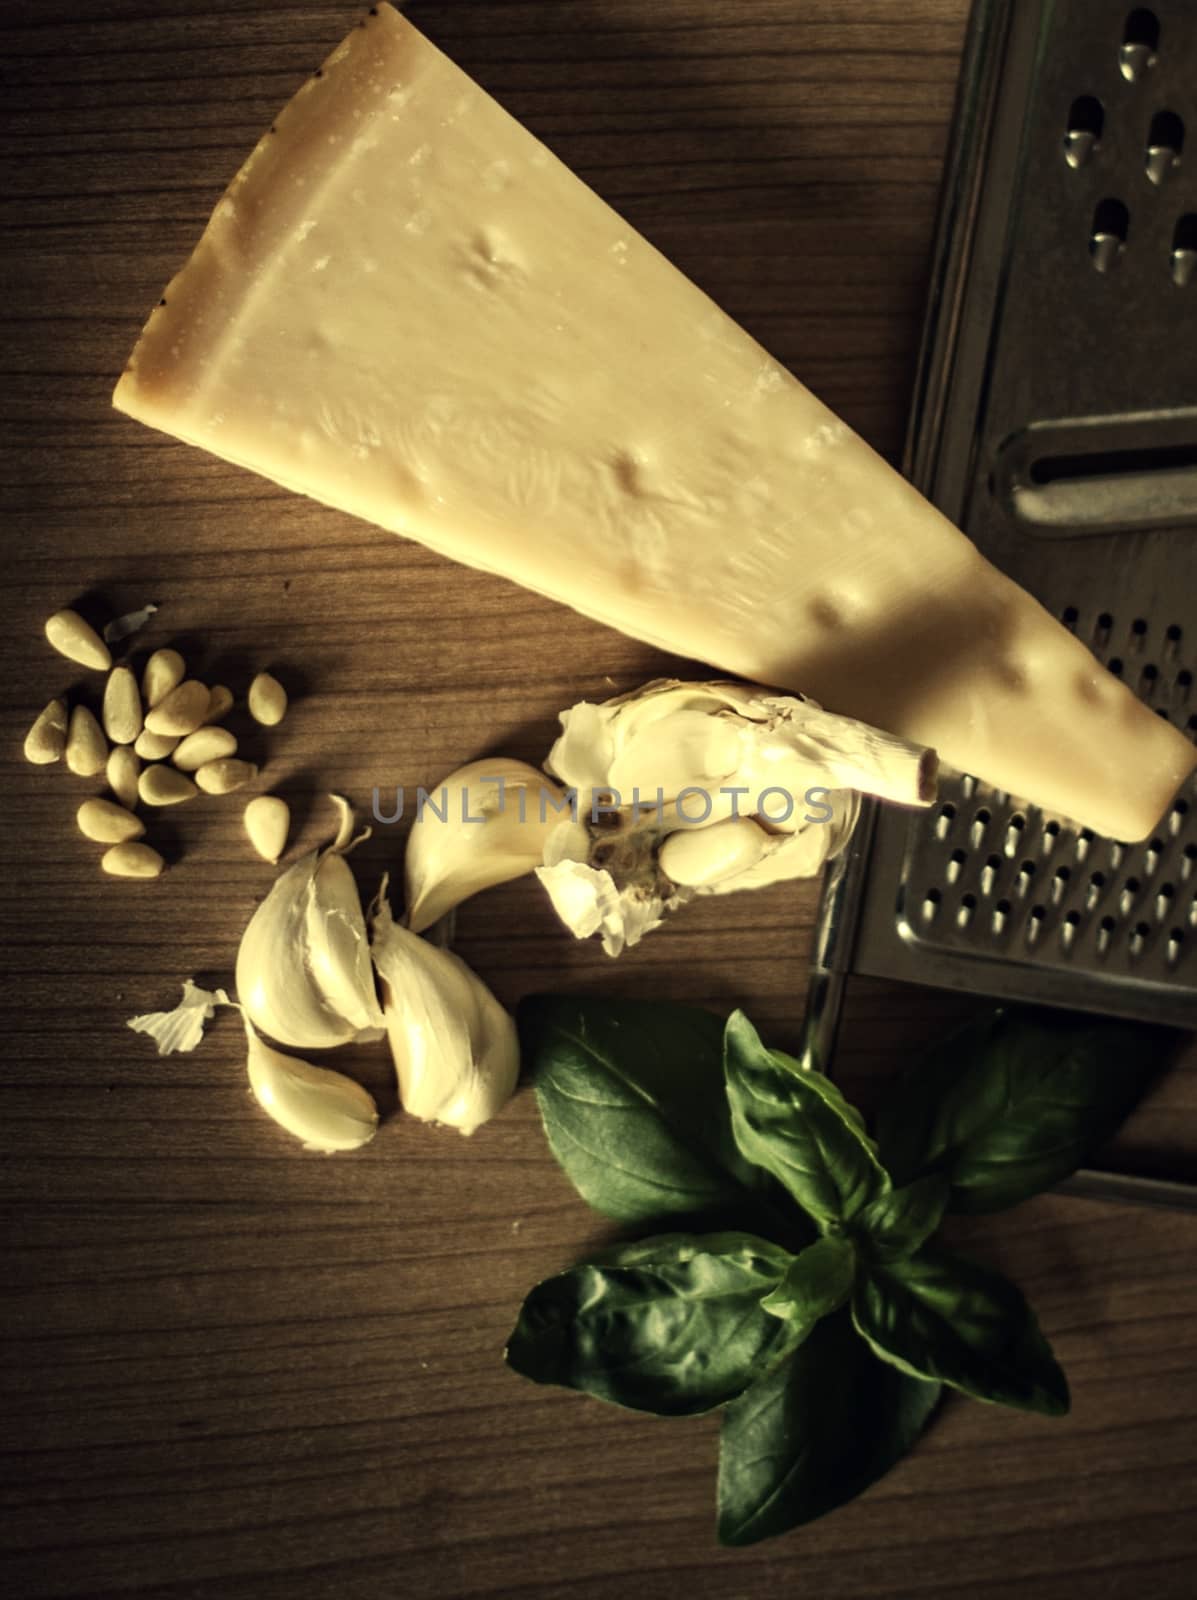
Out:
{"x": 1079, "y": 895}
{"x": 1082, "y": 138}
{"x": 1140, "y": 42}
{"x": 1184, "y": 250}
{"x": 1165, "y": 141}
{"x": 1109, "y": 234}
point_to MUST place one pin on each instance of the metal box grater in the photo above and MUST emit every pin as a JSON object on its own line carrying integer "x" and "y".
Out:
{"x": 1055, "y": 421}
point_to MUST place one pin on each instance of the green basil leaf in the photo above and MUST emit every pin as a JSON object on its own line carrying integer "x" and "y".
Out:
{"x": 944, "y": 1317}
{"x": 814, "y": 1434}
{"x": 796, "y": 1124}
{"x": 672, "y": 1325}
{"x": 1015, "y": 1103}
{"x": 902, "y": 1221}
{"x": 817, "y": 1282}
{"x": 631, "y": 1094}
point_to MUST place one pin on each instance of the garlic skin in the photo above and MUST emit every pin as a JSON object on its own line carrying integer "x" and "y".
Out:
{"x": 182, "y": 1028}
{"x": 455, "y": 1048}
{"x": 589, "y": 901}
{"x": 607, "y": 884}
{"x": 491, "y": 833}
{"x": 303, "y": 966}
{"x": 325, "y": 1110}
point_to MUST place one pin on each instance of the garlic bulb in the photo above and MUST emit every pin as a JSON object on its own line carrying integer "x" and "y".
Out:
{"x": 326, "y": 1110}
{"x": 455, "y": 1048}
{"x": 303, "y": 968}
{"x": 489, "y": 823}
{"x": 688, "y": 789}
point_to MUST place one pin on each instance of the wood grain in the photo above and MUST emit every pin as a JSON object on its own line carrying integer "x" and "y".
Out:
{"x": 236, "y": 1370}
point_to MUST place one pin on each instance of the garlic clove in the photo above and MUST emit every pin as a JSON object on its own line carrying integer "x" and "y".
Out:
{"x": 596, "y": 739}
{"x": 77, "y": 640}
{"x": 46, "y": 740}
{"x": 797, "y": 855}
{"x": 267, "y": 822}
{"x": 582, "y": 755}
{"x": 455, "y": 1048}
{"x": 272, "y": 977}
{"x": 326, "y": 1110}
{"x": 303, "y": 965}
{"x": 699, "y": 857}
{"x": 338, "y": 946}
{"x": 489, "y": 824}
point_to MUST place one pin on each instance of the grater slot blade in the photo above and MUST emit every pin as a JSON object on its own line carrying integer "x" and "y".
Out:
{"x": 1086, "y": 475}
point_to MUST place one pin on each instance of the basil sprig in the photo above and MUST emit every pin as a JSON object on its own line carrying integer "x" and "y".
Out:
{"x": 812, "y": 1304}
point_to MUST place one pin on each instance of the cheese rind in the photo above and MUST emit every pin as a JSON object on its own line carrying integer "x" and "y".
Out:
{"x": 406, "y": 307}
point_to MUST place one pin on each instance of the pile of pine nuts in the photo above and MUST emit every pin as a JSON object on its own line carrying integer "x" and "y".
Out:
{"x": 158, "y": 744}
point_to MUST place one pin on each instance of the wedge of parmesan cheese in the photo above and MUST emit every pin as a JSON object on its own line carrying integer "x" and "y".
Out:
{"x": 406, "y": 307}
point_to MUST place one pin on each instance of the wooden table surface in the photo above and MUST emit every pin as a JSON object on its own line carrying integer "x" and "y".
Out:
{"x": 236, "y": 1370}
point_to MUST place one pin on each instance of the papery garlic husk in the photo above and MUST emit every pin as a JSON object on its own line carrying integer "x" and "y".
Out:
{"x": 455, "y": 1048}
{"x": 714, "y": 737}
{"x": 303, "y": 968}
{"x": 326, "y": 1111}
{"x": 608, "y": 884}
{"x": 182, "y": 1028}
{"x": 497, "y": 817}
